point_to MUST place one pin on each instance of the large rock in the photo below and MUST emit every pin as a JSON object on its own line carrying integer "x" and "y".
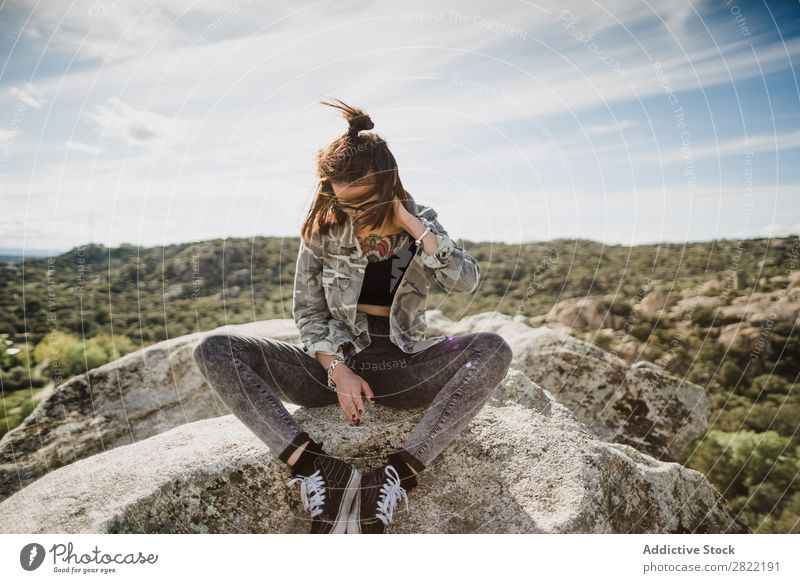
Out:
{"x": 153, "y": 390}
{"x": 137, "y": 396}
{"x": 525, "y": 464}
{"x": 745, "y": 337}
{"x": 655, "y": 300}
{"x": 642, "y": 405}
{"x": 580, "y": 314}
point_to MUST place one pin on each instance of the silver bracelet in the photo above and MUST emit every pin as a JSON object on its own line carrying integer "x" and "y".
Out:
{"x": 331, "y": 366}
{"x": 418, "y": 241}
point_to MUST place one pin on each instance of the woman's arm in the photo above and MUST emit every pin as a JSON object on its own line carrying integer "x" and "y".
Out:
{"x": 311, "y": 314}
{"x": 453, "y": 267}
{"x": 309, "y": 307}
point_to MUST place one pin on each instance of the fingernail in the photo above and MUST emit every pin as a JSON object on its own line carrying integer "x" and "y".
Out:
{"x": 354, "y": 415}
{"x": 360, "y": 412}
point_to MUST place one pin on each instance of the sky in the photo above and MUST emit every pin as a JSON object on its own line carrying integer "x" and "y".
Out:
{"x": 621, "y": 121}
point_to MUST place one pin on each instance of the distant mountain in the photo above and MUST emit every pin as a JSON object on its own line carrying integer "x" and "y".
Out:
{"x": 14, "y": 255}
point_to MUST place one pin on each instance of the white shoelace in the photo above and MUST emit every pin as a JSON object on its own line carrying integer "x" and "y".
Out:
{"x": 391, "y": 493}
{"x": 312, "y": 492}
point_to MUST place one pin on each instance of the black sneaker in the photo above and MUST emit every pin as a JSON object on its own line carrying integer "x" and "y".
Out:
{"x": 328, "y": 494}
{"x": 376, "y": 501}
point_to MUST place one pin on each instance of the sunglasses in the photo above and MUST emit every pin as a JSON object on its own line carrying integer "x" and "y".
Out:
{"x": 362, "y": 208}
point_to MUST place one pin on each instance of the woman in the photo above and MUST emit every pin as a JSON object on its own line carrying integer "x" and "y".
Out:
{"x": 368, "y": 255}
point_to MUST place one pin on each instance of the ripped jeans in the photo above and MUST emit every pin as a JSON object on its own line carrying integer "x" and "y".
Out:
{"x": 453, "y": 379}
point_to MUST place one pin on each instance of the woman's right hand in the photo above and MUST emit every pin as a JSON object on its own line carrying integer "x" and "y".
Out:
{"x": 349, "y": 387}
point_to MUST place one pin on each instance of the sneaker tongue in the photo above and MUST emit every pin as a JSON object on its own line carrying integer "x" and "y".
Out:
{"x": 372, "y": 492}
{"x": 379, "y": 488}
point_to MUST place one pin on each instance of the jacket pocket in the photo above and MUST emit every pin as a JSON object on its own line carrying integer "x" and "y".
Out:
{"x": 334, "y": 279}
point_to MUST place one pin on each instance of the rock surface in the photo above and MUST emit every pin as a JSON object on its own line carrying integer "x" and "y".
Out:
{"x": 641, "y": 405}
{"x": 139, "y": 395}
{"x": 524, "y": 465}
{"x": 153, "y": 390}
{"x": 579, "y": 314}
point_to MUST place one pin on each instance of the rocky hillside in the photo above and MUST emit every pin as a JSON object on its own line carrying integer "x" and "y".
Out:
{"x": 760, "y": 322}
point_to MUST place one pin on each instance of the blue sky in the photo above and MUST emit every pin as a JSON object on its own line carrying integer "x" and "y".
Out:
{"x": 623, "y": 121}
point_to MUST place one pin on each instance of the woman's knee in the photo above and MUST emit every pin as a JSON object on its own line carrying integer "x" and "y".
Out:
{"x": 220, "y": 349}
{"x": 211, "y": 347}
{"x": 495, "y": 349}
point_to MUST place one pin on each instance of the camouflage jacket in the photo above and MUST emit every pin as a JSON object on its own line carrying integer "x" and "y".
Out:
{"x": 328, "y": 278}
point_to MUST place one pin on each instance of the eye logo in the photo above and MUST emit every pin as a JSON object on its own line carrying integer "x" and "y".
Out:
{"x": 31, "y": 556}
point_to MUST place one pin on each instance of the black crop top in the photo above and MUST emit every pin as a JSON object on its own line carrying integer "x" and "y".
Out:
{"x": 381, "y": 277}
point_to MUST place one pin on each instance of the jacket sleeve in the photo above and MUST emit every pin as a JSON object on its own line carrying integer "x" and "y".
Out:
{"x": 452, "y": 266}
{"x": 309, "y": 307}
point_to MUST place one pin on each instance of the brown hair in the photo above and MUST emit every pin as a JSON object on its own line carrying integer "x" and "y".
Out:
{"x": 354, "y": 159}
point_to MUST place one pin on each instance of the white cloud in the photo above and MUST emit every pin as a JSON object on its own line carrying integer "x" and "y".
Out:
{"x": 27, "y": 95}
{"x": 752, "y": 143}
{"x": 118, "y": 120}
{"x": 7, "y": 136}
{"x": 83, "y": 148}
{"x": 111, "y": 31}
{"x": 603, "y": 129}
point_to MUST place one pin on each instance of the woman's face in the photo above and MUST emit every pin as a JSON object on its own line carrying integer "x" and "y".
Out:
{"x": 347, "y": 194}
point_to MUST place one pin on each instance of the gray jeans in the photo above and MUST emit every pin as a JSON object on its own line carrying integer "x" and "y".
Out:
{"x": 452, "y": 379}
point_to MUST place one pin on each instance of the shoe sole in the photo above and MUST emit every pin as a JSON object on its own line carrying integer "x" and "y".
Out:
{"x": 342, "y": 519}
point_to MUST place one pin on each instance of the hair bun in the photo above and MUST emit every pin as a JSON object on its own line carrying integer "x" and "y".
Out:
{"x": 357, "y": 119}
{"x": 358, "y": 123}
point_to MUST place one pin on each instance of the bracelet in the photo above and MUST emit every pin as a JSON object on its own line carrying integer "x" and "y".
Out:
{"x": 418, "y": 241}
{"x": 331, "y": 366}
